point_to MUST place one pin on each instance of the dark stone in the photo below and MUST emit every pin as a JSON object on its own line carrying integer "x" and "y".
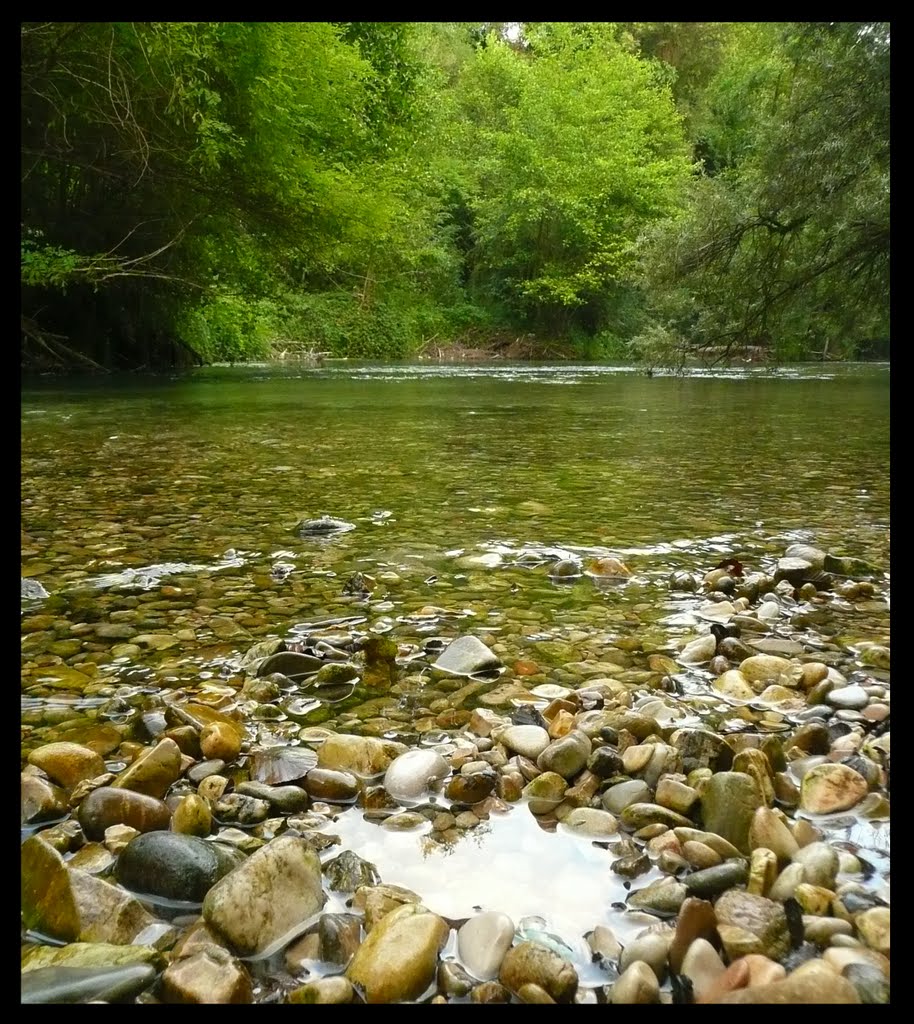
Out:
{"x": 528, "y": 715}
{"x": 702, "y": 749}
{"x": 339, "y": 936}
{"x": 605, "y": 762}
{"x": 336, "y": 786}
{"x": 238, "y": 809}
{"x": 713, "y": 880}
{"x": 82, "y": 984}
{"x": 470, "y": 789}
{"x": 291, "y": 664}
{"x": 348, "y": 871}
{"x": 285, "y": 799}
{"x": 107, "y": 806}
{"x": 171, "y": 865}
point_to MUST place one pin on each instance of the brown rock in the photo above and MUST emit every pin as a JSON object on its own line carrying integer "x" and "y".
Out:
{"x": 108, "y": 806}
{"x": 220, "y": 740}
{"x": 376, "y": 901}
{"x": 211, "y": 975}
{"x": 531, "y": 963}
{"x": 153, "y": 772}
{"x": 736, "y": 976}
{"x": 696, "y": 920}
{"x": 821, "y": 985}
{"x": 40, "y": 800}
{"x": 762, "y": 917}
{"x": 67, "y": 763}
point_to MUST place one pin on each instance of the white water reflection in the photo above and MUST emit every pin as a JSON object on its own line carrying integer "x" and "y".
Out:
{"x": 508, "y": 864}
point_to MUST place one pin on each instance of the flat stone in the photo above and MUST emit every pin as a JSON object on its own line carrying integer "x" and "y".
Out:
{"x": 72, "y": 905}
{"x": 153, "y": 772}
{"x": 624, "y": 794}
{"x": 85, "y": 984}
{"x": 590, "y": 822}
{"x": 284, "y": 799}
{"x": 526, "y": 740}
{"x": 333, "y": 786}
{"x": 90, "y": 954}
{"x": 334, "y": 990}
{"x": 713, "y": 880}
{"x": 663, "y": 897}
{"x": 831, "y": 787}
{"x": 276, "y": 888}
{"x": 360, "y": 755}
{"x": 465, "y": 656}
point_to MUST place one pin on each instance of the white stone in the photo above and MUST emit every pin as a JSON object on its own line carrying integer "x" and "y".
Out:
{"x": 483, "y": 942}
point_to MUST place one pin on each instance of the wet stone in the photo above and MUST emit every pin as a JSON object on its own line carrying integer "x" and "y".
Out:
{"x": 565, "y": 756}
{"x": 333, "y": 990}
{"x": 238, "y": 809}
{"x": 211, "y": 975}
{"x": 870, "y": 983}
{"x": 108, "y": 806}
{"x": 40, "y": 800}
{"x": 339, "y": 936}
{"x": 399, "y": 958}
{"x": 470, "y": 789}
{"x": 153, "y": 772}
{"x": 348, "y": 872}
{"x": 713, "y": 880}
{"x": 333, "y": 786}
{"x": 532, "y": 963}
{"x": 763, "y": 918}
{"x": 284, "y": 799}
{"x": 85, "y": 984}
{"x": 483, "y": 941}
{"x": 410, "y": 775}
{"x": 728, "y": 802}
{"x": 172, "y": 866}
{"x": 67, "y": 763}
{"x": 623, "y": 794}
{"x": 277, "y": 887}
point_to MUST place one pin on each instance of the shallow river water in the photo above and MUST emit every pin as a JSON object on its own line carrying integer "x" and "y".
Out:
{"x": 169, "y": 507}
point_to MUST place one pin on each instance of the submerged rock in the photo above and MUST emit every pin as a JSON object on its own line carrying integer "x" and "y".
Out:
{"x": 85, "y": 984}
{"x": 325, "y": 526}
{"x": 466, "y": 656}
{"x": 172, "y": 865}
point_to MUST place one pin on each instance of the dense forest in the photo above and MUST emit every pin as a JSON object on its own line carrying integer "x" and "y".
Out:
{"x": 658, "y": 191}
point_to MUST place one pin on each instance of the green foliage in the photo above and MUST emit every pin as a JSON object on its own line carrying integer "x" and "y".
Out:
{"x": 787, "y": 249}
{"x": 574, "y": 152}
{"x": 233, "y": 190}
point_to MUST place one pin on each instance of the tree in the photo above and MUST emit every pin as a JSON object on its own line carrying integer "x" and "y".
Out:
{"x": 787, "y": 248}
{"x": 575, "y": 147}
